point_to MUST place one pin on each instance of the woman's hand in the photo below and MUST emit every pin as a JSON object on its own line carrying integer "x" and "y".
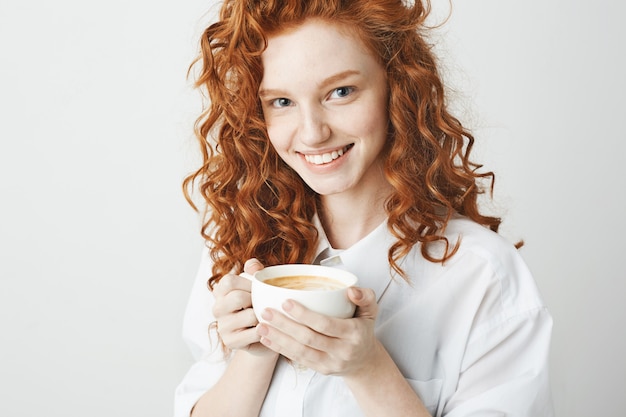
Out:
{"x": 328, "y": 345}
{"x": 236, "y": 322}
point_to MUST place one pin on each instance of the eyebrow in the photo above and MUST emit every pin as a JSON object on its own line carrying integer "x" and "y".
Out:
{"x": 265, "y": 92}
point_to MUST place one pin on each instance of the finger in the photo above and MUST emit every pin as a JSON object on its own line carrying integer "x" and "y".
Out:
{"x": 231, "y": 294}
{"x": 231, "y": 282}
{"x": 241, "y": 339}
{"x": 237, "y": 330}
{"x": 252, "y": 265}
{"x": 320, "y": 323}
{"x": 302, "y": 332}
{"x": 238, "y": 321}
{"x": 365, "y": 301}
{"x": 232, "y": 302}
{"x": 288, "y": 346}
{"x": 324, "y": 353}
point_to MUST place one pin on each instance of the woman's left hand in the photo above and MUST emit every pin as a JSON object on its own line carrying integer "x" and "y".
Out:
{"x": 328, "y": 345}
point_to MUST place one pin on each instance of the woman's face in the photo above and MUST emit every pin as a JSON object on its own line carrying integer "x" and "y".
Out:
{"x": 324, "y": 99}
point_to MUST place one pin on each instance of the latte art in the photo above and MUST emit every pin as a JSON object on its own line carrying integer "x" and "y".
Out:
{"x": 305, "y": 282}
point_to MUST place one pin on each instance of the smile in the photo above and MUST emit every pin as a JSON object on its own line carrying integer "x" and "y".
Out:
{"x": 325, "y": 158}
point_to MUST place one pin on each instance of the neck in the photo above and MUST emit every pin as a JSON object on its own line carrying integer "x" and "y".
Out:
{"x": 347, "y": 218}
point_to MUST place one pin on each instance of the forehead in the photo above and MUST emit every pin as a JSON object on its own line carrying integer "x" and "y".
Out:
{"x": 312, "y": 51}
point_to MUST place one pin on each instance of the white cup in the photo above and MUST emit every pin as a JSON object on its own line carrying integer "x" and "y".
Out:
{"x": 327, "y": 295}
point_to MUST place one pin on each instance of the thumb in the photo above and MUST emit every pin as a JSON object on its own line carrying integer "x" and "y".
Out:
{"x": 365, "y": 301}
{"x": 252, "y": 265}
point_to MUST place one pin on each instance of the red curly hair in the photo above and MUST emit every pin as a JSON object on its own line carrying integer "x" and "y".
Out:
{"x": 256, "y": 205}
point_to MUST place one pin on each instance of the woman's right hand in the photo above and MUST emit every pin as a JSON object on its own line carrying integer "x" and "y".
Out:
{"x": 236, "y": 322}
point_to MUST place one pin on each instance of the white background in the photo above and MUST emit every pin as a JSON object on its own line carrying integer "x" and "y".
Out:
{"x": 98, "y": 248}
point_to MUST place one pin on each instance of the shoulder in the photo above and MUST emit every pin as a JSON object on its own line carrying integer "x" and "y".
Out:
{"x": 486, "y": 266}
{"x": 497, "y": 258}
{"x": 480, "y": 241}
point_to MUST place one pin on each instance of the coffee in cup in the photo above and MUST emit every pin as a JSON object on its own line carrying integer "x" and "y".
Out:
{"x": 306, "y": 282}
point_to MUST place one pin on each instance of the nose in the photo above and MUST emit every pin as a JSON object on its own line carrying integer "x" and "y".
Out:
{"x": 314, "y": 128}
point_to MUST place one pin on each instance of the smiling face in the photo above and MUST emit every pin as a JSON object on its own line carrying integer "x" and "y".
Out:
{"x": 324, "y": 99}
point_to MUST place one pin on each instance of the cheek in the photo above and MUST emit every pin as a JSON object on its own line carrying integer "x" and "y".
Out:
{"x": 277, "y": 137}
{"x": 371, "y": 122}
{"x": 381, "y": 114}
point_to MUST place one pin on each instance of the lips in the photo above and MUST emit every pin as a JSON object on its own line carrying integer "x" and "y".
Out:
{"x": 325, "y": 158}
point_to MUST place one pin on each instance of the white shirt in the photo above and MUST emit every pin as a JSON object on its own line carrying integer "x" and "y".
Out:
{"x": 471, "y": 336}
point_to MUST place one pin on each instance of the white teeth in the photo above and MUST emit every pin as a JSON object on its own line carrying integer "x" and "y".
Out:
{"x": 324, "y": 158}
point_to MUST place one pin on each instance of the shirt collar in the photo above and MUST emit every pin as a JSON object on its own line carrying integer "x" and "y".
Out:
{"x": 367, "y": 258}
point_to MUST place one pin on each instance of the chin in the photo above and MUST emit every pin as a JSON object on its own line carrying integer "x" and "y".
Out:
{"x": 327, "y": 190}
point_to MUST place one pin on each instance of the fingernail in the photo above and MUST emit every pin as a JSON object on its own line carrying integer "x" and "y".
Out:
{"x": 267, "y": 315}
{"x": 287, "y": 305}
{"x": 262, "y": 330}
{"x": 357, "y": 293}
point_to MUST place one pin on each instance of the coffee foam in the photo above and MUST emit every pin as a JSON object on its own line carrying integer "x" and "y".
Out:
{"x": 306, "y": 283}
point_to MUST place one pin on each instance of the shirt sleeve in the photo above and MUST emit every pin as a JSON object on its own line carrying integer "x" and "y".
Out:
{"x": 505, "y": 370}
{"x": 202, "y": 341}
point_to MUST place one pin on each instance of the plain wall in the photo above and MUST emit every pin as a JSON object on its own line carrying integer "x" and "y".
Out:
{"x": 98, "y": 248}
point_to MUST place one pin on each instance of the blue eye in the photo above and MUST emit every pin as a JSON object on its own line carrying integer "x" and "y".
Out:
{"x": 341, "y": 92}
{"x": 281, "y": 102}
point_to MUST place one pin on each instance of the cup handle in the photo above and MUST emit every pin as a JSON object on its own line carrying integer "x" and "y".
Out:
{"x": 247, "y": 276}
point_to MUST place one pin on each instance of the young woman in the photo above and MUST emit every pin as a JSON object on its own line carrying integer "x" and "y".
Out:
{"x": 327, "y": 140}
